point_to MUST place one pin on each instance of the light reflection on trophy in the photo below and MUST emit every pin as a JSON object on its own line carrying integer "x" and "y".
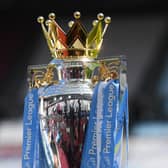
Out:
{"x": 66, "y": 86}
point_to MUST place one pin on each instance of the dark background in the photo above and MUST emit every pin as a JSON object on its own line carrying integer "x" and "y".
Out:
{"x": 139, "y": 30}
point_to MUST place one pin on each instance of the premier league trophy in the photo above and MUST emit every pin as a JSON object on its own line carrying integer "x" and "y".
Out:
{"x": 76, "y": 107}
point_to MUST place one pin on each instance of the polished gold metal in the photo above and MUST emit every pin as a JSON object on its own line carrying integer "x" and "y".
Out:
{"x": 104, "y": 72}
{"x": 70, "y": 24}
{"x": 100, "y": 16}
{"x": 77, "y": 15}
{"x": 107, "y": 20}
{"x": 40, "y": 19}
{"x": 41, "y": 78}
{"x": 47, "y": 22}
{"x": 51, "y": 16}
{"x": 77, "y": 43}
{"x": 94, "y": 23}
{"x": 95, "y": 79}
{"x": 109, "y": 69}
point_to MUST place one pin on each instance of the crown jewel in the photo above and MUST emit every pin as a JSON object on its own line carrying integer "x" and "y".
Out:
{"x": 77, "y": 42}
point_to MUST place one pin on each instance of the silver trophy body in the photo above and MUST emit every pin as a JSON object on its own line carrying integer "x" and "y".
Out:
{"x": 64, "y": 111}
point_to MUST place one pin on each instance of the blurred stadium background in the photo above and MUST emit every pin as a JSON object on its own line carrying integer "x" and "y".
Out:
{"x": 139, "y": 30}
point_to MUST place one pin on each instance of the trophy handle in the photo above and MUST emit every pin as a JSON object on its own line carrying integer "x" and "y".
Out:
{"x": 42, "y": 76}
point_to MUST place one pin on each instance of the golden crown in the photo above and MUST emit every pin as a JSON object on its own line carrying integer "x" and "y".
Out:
{"x": 77, "y": 43}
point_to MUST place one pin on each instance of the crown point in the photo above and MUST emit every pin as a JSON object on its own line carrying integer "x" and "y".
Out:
{"x": 77, "y": 15}
{"x": 107, "y": 20}
{"x": 40, "y": 19}
{"x": 70, "y": 24}
{"x": 94, "y": 23}
{"x": 48, "y": 22}
{"x": 51, "y": 16}
{"x": 100, "y": 16}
